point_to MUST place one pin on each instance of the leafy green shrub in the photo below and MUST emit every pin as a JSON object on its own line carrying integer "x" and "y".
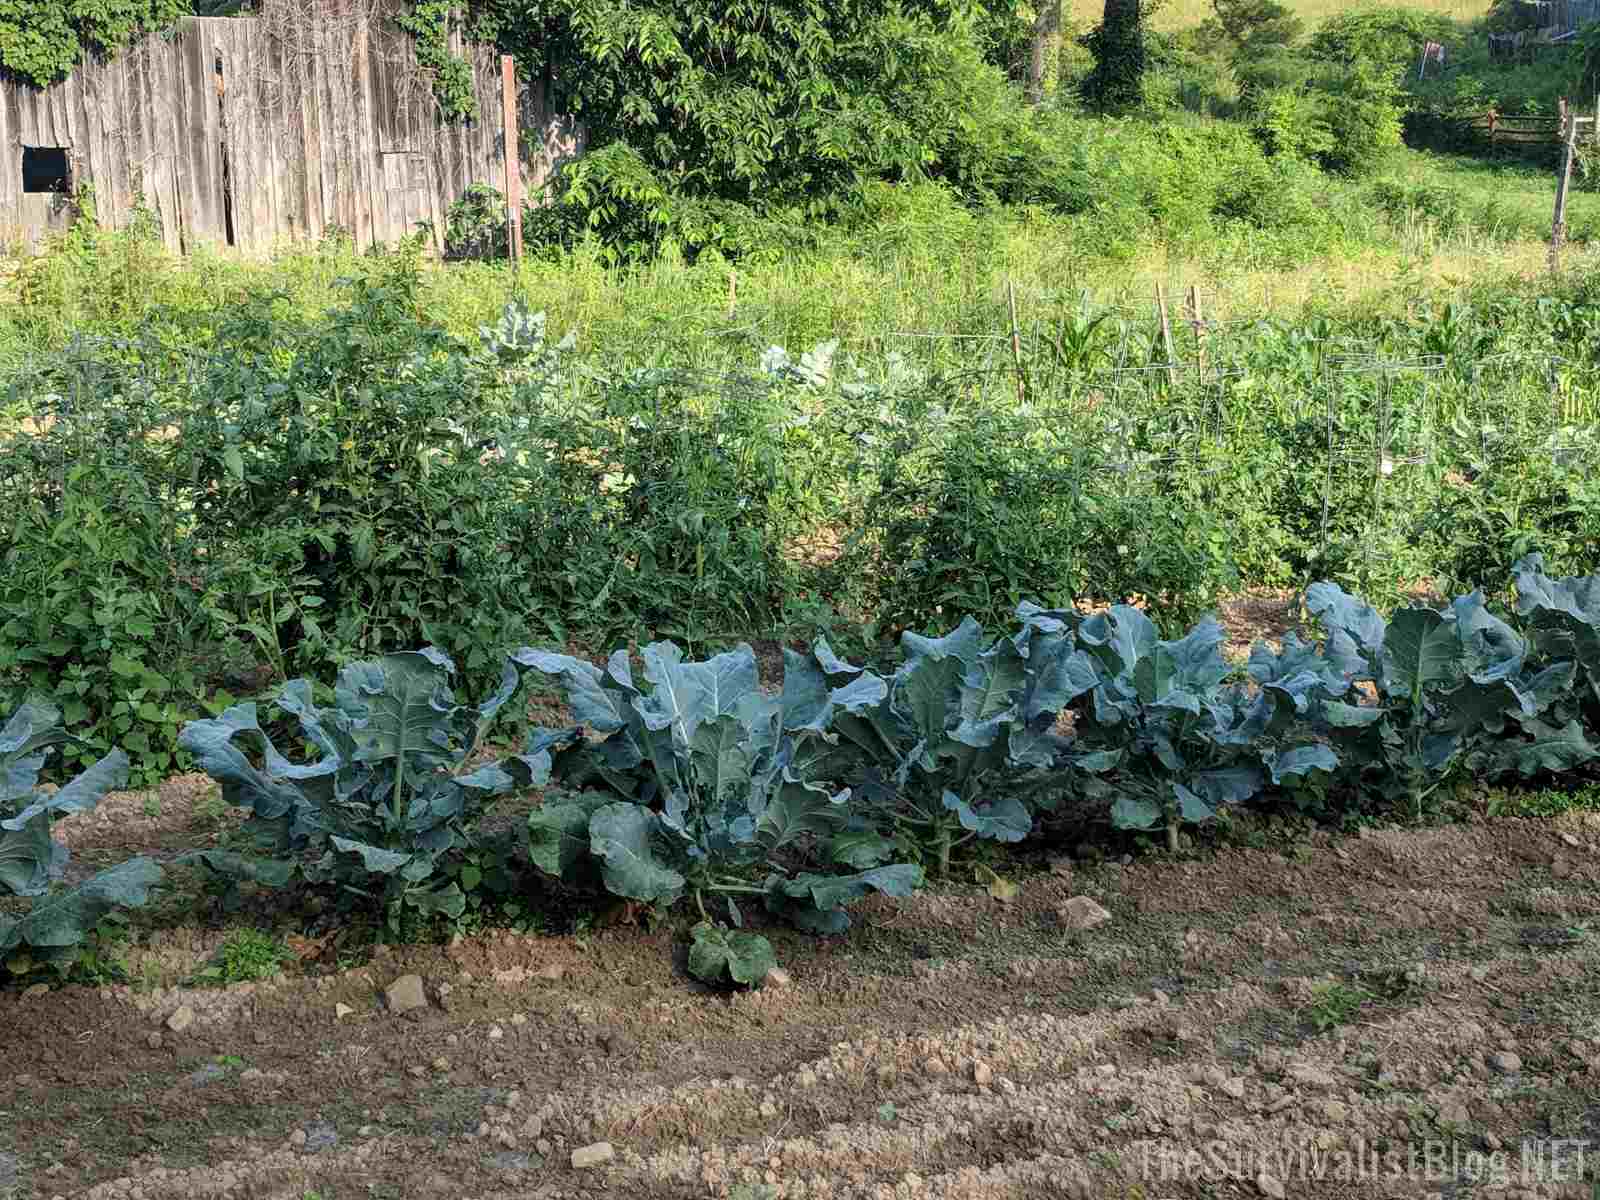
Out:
{"x": 389, "y": 801}
{"x": 369, "y": 473}
{"x": 105, "y": 606}
{"x": 59, "y": 919}
{"x": 1387, "y": 39}
{"x": 41, "y": 41}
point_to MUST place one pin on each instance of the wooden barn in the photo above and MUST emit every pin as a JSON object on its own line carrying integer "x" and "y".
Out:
{"x": 252, "y": 131}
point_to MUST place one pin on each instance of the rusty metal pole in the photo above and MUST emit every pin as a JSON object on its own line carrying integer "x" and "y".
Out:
{"x": 513, "y": 155}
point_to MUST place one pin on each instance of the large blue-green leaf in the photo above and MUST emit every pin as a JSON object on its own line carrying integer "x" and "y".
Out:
{"x": 28, "y": 858}
{"x": 1420, "y": 648}
{"x": 800, "y": 808}
{"x": 1355, "y": 630}
{"x": 1550, "y": 748}
{"x": 627, "y": 839}
{"x": 1180, "y": 673}
{"x": 1490, "y": 649}
{"x": 1226, "y": 785}
{"x": 1301, "y": 760}
{"x": 211, "y": 742}
{"x": 65, "y": 918}
{"x": 230, "y": 865}
{"x": 1136, "y": 812}
{"x": 1193, "y": 807}
{"x": 717, "y": 955}
{"x": 1058, "y": 673}
{"x": 598, "y": 700}
{"x": 558, "y": 831}
{"x": 406, "y": 712}
{"x": 927, "y": 688}
{"x": 25, "y": 743}
{"x": 689, "y": 693}
{"x": 532, "y": 768}
{"x": 816, "y": 902}
{"x": 375, "y": 859}
{"x": 1003, "y": 819}
{"x": 1351, "y": 716}
{"x": 78, "y": 795}
{"x": 1118, "y": 637}
{"x": 448, "y": 901}
{"x": 859, "y": 848}
{"x": 1536, "y": 591}
{"x": 988, "y": 697}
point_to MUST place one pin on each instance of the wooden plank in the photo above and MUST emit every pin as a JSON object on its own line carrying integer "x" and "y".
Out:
{"x": 10, "y": 172}
{"x": 169, "y": 103}
{"x": 288, "y": 216}
{"x": 197, "y": 69}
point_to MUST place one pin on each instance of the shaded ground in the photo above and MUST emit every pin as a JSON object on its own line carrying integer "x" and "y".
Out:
{"x": 1347, "y": 997}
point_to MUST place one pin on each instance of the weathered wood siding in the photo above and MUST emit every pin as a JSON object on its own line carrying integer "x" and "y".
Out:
{"x": 255, "y": 131}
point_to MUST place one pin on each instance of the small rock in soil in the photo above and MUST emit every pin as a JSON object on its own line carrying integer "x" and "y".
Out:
{"x": 320, "y": 1136}
{"x": 406, "y": 994}
{"x": 1270, "y": 1186}
{"x": 596, "y": 1155}
{"x": 508, "y": 1160}
{"x": 777, "y": 977}
{"x": 181, "y": 1020}
{"x": 341, "y": 1011}
{"x": 1506, "y": 1062}
{"x": 982, "y": 1074}
{"x": 1082, "y": 913}
{"x": 153, "y": 1041}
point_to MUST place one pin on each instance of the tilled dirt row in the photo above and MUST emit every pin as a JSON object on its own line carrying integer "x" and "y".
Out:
{"x": 1404, "y": 1013}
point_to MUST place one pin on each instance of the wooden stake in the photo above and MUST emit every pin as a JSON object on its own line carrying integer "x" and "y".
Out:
{"x": 513, "y": 155}
{"x": 1166, "y": 332}
{"x": 1016, "y": 342}
{"x": 1199, "y": 328}
{"x": 1558, "y": 226}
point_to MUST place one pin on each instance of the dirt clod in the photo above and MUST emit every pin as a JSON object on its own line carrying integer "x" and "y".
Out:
{"x": 777, "y": 977}
{"x": 595, "y": 1155}
{"x": 181, "y": 1019}
{"x": 1081, "y": 913}
{"x": 405, "y": 994}
{"x": 1506, "y": 1062}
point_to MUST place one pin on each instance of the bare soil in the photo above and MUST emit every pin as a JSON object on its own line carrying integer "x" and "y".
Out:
{"x": 1282, "y": 1017}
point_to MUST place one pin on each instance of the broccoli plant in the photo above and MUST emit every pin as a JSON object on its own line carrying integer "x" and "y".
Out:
{"x": 1563, "y": 621}
{"x": 1451, "y": 690}
{"x": 58, "y": 919}
{"x": 389, "y": 799}
{"x": 1183, "y": 743}
{"x": 959, "y": 742}
{"x": 703, "y": 786}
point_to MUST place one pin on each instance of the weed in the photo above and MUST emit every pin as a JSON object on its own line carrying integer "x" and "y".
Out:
{"x": 246, "y": 954}
{"x": 1335, "y": 1004}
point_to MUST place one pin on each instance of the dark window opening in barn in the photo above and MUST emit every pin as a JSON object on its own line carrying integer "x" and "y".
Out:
{"x": 45, "y": 169}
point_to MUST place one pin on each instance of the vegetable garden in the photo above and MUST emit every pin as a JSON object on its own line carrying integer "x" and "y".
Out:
{"x": 890, "y": 617}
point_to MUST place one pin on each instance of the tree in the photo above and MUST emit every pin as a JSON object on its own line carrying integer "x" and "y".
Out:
{"x": 1248, "y": 28}
{"x": 1117, "y": 45}
{"x": 42, "y": 40}
{"x": 1046, "y": 32}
